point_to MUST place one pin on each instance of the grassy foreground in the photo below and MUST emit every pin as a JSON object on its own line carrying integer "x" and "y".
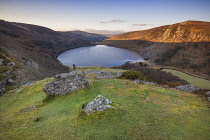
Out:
{"x": 201, "y": 83}
{"x": 142, "y": 112}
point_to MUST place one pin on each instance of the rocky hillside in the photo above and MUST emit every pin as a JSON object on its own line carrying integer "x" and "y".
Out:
{"x": 188, "y": 31}
{"x": 28, "y": 53}
{"x": 184, "y": 45}
{"x": 84, "y": 36}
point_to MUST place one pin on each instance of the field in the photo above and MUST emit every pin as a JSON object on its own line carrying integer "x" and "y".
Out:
{"x": 142, "y": 112}
{"x": 201, "y": 83}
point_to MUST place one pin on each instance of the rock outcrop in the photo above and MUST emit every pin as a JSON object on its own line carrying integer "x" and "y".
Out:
{"x": 143, "y": 82}
{"x": 32, "y": 64}
{"x": 104, "y": 74}
{"x": 188, "y": 88}
{"x": 65, "y": 83}
{"x": 100, "y": 103}
{"x": 207, "y": 94}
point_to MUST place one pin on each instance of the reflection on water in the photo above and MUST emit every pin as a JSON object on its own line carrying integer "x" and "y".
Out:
{"x": 99, "y": 55}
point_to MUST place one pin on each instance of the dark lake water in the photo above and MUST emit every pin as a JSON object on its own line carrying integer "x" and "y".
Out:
{"x": 100, "y": 55}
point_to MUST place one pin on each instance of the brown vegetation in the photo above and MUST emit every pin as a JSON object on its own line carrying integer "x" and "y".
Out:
{"x": 188, "y": 31}
{"x": 183, "y": 45}
{"x": 34, "y": 50}
{"x": 149, "y": 74}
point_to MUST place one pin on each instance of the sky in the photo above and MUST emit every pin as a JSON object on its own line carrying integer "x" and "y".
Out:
{"x": 105, "y": 15}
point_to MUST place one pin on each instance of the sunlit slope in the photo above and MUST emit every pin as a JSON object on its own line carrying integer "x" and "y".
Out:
{"x": 188, "y": 31}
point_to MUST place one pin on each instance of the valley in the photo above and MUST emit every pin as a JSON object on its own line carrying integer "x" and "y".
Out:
{"x": 157, "y": 108}
{"x": 104, "y": 70}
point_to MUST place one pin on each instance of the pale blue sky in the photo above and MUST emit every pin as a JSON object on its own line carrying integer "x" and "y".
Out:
{"x": 123, "y": 15}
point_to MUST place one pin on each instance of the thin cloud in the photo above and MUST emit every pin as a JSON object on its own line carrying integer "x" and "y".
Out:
{"x": 104, "y": 31}
{"x": 104, "y": 22}
{"x": 140, "y": 24}
{"x": 118, "y": 20}
{"x": 113, "y": 21}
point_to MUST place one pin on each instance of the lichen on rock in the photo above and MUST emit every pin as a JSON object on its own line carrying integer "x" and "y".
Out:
{"x": 100, "y": 103}
{"x": 187, "y": 88}
{"x": 65, "y": 83}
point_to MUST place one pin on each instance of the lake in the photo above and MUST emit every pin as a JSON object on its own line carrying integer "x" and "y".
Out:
{"x": 100, "y": 55}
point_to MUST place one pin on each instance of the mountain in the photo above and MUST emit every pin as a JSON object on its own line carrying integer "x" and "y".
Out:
{"x": 107, "y": 33}
{"x": 29, "y": 53}
{"x": 84, "y": 36}
{"x": 185, "y": 45}
{"x": 188, "y": 31}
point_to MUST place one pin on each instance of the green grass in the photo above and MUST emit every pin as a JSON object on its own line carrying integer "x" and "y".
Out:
{"x": 201, "y": 83}
{"x": 96, "y": 68}
{"x": 142, "y": 112}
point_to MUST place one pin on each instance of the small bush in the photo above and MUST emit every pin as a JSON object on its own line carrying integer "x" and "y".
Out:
{"x": 173, "y": 84}
{"x": 134, "y": 75}
{"x": 201, "y": 92}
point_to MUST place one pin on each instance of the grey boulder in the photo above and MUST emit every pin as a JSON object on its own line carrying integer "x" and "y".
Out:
{"x": 65, "y": 83}
{"x": 104, "y": 74}
{"x": 207, "y": 94}
{"x": 100, "y": 103}
{"x": 143, "y": 82}
{"x": 188, "y": 88}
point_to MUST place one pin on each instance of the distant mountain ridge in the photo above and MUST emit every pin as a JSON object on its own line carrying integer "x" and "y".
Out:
{"x": 84, "y": 35}
{"x": 188, "y": 31}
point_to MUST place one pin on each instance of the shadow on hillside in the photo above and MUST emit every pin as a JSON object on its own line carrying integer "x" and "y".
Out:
{"x": 194, "y": 56}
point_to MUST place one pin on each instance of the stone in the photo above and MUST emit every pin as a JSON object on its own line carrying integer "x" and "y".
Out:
{"x": 2, "y": 90}
{"x": 104, "y": 77}
{"x": 77, "y": 72}
{"x": 148, "y": 99}
{"x": 32, "y": 64}
{"x": 26, "y": 109}
{"x": 188, "y": 88}
{"x": 119, "y": 74}
{"x": 149, "y": 83}
{"x": 10, "y": 81}
{"x": 18, "y": 90}
{"x": 36, "y": 119}
{"x": 136, "y": 81}
{"x": 1, "y": 61}
{"x": 28, "y": 83}
{"x": 11, "y": 64}
{"x": 207, "y": 94}
{"x": 143, "y": 82}
{"x": 104, "y": 74}
{"x": 97, "y": 72}
{"x": 208, "y": 99}
{"x": 65, "y": 83}
{"x": 100, "y": 103}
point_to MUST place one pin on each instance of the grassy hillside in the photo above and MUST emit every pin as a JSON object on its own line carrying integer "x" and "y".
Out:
{"x": 201, "y": 83}
{"x": 142, "y": 112}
